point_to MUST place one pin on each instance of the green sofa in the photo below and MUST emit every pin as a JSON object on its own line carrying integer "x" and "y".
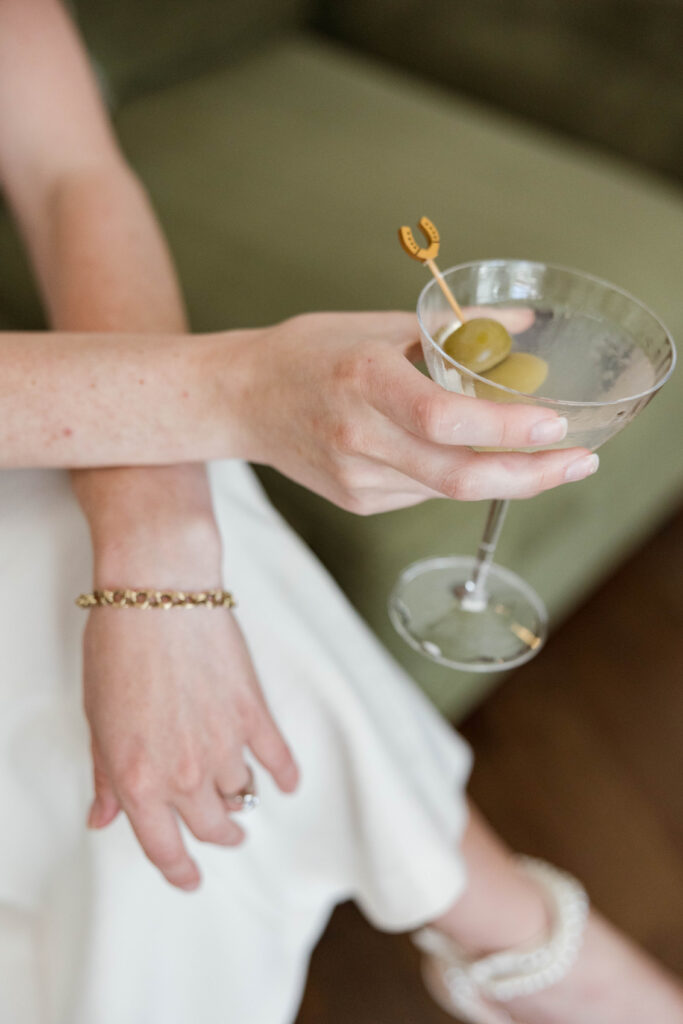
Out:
{"x": 281, "y": 164}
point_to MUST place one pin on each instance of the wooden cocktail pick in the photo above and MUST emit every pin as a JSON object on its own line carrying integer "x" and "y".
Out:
{"x": 428, "y": 257}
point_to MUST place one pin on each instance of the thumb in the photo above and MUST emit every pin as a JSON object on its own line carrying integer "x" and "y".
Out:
{"x": 105, "y": 805}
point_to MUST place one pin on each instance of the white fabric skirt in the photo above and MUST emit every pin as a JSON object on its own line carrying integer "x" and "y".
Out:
{"x": 89, "y": 931}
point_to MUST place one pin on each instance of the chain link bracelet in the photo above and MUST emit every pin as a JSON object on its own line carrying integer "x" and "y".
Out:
{"x": 164, "y": 599}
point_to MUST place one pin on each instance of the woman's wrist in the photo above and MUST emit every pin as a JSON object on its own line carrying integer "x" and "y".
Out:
{"x": 151, "y": 527}
{"x": 224, "y": 367}
{"x": 183, "y": 554}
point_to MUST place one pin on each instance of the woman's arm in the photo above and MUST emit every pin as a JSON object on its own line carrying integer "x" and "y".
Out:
{"x": 99, "y": 256}
{"x": 86, "y": 399}
{"x": 328, "y": 399}
{"x": 103, "y": 266}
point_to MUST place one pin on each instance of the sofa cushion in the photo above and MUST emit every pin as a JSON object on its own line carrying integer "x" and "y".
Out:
{"x": 138, "y": 45}
{"x": 608, "y": 70}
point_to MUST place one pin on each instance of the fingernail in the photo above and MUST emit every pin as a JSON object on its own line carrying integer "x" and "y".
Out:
{"x": 581, "y": 468}
{"x": 549, "y": 431}
{"x": 92, "y": 815}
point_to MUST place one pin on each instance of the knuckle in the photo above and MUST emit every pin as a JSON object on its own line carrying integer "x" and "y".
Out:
{"x": 138, "y": 782}
{"x": 462, "y": 485}
{"x": 345, "y": 373}
{"x": 189, "y": 774}
{"x": 346, "y": 475}
{"x": 355, "y": 486}
{"x": 355, "y": 480}
{"x": 346, "y": 438}
{"x": 427, "y": 415}
{"x": 468, "y": 489}
{"x": 358, "y": 504}
{"x": 304, "y": 324}
{"x": 503, "y": 430}
{"x": 543, "y": 481}
{"x": 300, "y": 321}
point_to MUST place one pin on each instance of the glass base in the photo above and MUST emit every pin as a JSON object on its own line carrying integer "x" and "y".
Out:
{"x": 431, "y": 609}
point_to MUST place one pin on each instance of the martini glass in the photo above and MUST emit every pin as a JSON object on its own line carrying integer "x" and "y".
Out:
{"x": 607, "y": 356}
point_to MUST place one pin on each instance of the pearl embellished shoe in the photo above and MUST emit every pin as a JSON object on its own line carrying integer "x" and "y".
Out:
{"x": 475, "y": 990}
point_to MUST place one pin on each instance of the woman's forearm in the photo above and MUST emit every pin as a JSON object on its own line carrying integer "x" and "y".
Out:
{"x": 102, "y": 264}
{"x": 144, "y": 394}
{"x": 106, "y": 266}
{"x": 78, "y": 400}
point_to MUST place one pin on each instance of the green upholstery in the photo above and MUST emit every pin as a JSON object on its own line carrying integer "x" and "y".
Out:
{"x": 281, "y": 179}
{"x": 139, "y": 46}
{"x": 608, "y": 71}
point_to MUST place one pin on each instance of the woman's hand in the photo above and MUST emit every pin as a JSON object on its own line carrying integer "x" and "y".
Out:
{"x": 172, "y": 700}
{"x": 331, "y": 401}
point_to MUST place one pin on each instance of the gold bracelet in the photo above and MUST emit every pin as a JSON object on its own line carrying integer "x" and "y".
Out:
{"x": 156, "y": 599}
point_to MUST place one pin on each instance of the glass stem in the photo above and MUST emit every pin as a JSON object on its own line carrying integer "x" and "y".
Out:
{"x": 475, "y": 599}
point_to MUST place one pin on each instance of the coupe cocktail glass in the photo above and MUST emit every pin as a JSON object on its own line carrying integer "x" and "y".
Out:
{"x": 607, "y": 356}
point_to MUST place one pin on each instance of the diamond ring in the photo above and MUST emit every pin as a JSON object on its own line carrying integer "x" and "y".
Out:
{"x": 245, "y": 799}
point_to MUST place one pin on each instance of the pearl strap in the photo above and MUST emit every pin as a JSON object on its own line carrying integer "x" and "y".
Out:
{"x": 516, "y": 972}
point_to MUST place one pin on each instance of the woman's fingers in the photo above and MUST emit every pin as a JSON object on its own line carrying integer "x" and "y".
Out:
{"x": 269, "y": 747}
{"x": 231, "y": 787}
{"x": 473, "y": 476}
{"x": 410, "y": 400}
{"x": 258, "y": 730}
{"x": 520, "y": 475}
{"x": 401, "y": 330}
{"x": 158, "y": 833}
{"x": 516, "y": 318}
{"x": 207, "y": 815}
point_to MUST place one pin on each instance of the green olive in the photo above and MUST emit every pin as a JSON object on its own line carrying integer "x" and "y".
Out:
{"x": 478, "y": 344}
{"x": 521, "y": 371}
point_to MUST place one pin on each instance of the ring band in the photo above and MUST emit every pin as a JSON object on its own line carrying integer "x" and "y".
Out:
{"x": 245, "y": 799}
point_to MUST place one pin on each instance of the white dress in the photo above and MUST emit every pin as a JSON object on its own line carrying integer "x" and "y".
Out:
{"x": 89, "y": 931}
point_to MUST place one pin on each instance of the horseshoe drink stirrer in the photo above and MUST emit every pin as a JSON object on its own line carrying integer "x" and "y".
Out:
{"x": 428, "y": 256}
